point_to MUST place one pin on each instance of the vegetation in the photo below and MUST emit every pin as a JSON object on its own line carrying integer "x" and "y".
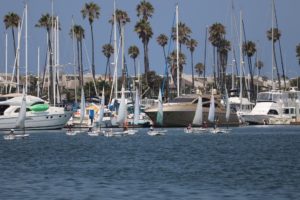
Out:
{"x": 91, "y": 11}
{"x": 249, "y": 49}
{"x": 191, "y": 45}
{"x": 298, "y": 52}
{"x": 107, "y": 51}
{"x": 133, "y": 52}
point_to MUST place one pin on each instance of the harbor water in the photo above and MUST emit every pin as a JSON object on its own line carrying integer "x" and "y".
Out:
{"x": 259, "y": 162}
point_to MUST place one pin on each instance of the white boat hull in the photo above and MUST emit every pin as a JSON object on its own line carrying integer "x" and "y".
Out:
{"x": 38, "y": 120}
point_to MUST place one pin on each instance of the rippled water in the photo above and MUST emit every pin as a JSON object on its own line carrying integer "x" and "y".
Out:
{"x": 249, "y": 163}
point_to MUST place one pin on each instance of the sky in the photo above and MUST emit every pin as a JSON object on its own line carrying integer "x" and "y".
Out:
{"x": 197, "y": 14}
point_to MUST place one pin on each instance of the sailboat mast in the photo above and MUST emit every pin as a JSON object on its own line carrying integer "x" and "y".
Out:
{"x": 74, "y": 62}
{"x": 6, "y": 63}
{"x": 115, "y": 52}
{"x": 241, "y": 58}
{"x": 122, "y": 44}
{"x": 38, "y": 73}
{"x": 177, "y": 51}
{"x": 273, "y": 85}
{"x": 26, "y": 50}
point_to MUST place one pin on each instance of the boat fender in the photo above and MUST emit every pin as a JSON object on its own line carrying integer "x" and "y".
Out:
{"x": 266, "y": 122}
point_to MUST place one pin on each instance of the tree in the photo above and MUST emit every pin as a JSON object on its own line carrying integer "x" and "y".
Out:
{"x": 162, "y": 40}
{"x": 184, "y": 33}
{"x": 199, "y": 67}
{"x": 143, "y": 28}
{"x": 107, "y": 51}
{"x": 46, "y": 21}
{"x": 133, "y": 52}
{"x": 92, "y": 11}
{"x": 172, "y": 60}
{"x": 145, "y": 10}
{"x": 144, "y": 31}
{"x": 12, "y": 20}
{"x": 276, "y": 36}
{"x": 249, "y": 49}
{"x": 216, "y": 35}
{"x": 224, "y": 48}
{"x": 259, "y": 65}
{"x": 78, "y": 32}
{"x": 191, "y": 45}
{"x": 298, "y": 52}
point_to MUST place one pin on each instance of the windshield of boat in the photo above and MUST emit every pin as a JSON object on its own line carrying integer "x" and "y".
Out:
{"x": 270, "y": 97}
{"x": 182, "y": 100}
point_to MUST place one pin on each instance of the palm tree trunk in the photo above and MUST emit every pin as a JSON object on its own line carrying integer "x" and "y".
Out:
{"x": 50, "y": 69}
{"x": 15, "y": 50}
{"x": 167, "y": 71}
{"x": 277, "y": 70}
{"x": 134, "y": 64}
{"x": 192, "y": 64}
{"x": 81, "y": 65}
{"x": 146, "y": 57}
{"x": 214, "y": 68}
{"x": 251, "y": 77}
{"x": 107, "y": 63}
{"x": 78, "y": 62}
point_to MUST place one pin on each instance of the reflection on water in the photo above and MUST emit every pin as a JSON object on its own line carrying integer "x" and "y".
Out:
{"x": 249, "y": 163}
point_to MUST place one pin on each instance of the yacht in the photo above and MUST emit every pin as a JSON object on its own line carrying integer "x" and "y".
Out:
{"x": 39, "y": 115}
{"x": 180, "y": 111}
{"x": 274, "y": 107}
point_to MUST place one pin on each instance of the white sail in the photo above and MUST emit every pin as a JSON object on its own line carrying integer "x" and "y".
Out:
{"x": 159, "y": 116}
{"x": 22, "y": 114}
{"x": 211, "y": 113}
{"x": 199, "y": 113}
{"x": 136, "y": 108}
{"x": 122, "y": 109}
{"x": 227, "y": 106}
{"x": 82, "y": 106}
{"x": 101, "y": 109}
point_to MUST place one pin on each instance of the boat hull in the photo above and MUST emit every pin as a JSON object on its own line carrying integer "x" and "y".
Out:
{"x": 38, "y": 120}
{"x": 181, "y": 115}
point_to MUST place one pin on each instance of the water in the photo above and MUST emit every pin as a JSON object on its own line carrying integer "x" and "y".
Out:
{"x": 249, "y": 163}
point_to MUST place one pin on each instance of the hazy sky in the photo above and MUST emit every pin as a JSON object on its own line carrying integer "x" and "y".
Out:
{"x": 197, "y": 14}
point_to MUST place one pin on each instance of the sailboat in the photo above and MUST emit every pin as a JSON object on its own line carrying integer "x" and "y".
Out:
{"x": 20, "y": 123}
{"x": 159, "y": 118}
{"x": 198, "y": 119}
{"x": 211, "y": 116}
{"x": 82, "y": 114}
{"x": 136, "y": 116}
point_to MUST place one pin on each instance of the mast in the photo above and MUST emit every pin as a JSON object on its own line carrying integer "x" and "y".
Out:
{"x": 26, "y": 50}
{"x": 74, "y": 62}
{"x": 38, "y": 73}
{"x": 115, "y": 51}
{"x": 273, "y": 85}
{"x": 6, "y": 63}
{"x": 177, "y": 52}
{"x": 241, "y": 59}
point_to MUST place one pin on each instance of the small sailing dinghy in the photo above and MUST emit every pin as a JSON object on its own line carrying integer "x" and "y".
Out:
{"x": 159, "y": 118}
{"x": 20, "y": 124}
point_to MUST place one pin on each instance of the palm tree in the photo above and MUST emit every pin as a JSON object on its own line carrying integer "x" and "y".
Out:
{"x": 11, "y": 20}
{"x": 107, "y": 51}
{"x": 145, "y": 10}
{"x": 224, "y": 48}
{"x": 133, "y": 52}
{"x": 259, "y": 65}
{"x": 199, "y": 67}
{"x": 172, "y": 60}
{"x": 298, "y": 52}
{"x": 143, "y": 28}
{"x": 144, "y": 31}
{"x": 191, "y": 45}
{"x": 46, "y": 21}
{"x": 78, "y": 33}
{"x": 216, "y": 35}
{"x": 276, "y": 36}
{"x": 249, "y": 49}
{"x": 92, "y": 11}
{"x": 162, "y": 40}
{"x": 184, "y": 33}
